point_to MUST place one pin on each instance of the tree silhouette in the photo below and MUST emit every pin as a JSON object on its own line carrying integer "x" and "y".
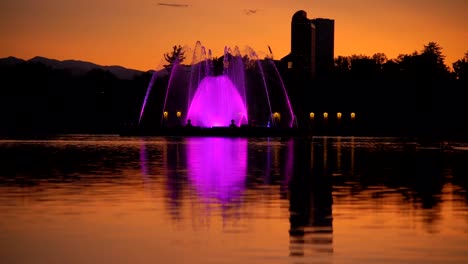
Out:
{"x": 426, "y": 66}
{"x": 434, "y": 52}
{"x": 460, "y": 67}
{"x": 380, "y": 59}
{"x": 342, "y": 65}
{"x": 177, "y": 55}
{"x": 432, "y": 61}
{"x": 413, "y": 94}
{"x": 363, "y": 65}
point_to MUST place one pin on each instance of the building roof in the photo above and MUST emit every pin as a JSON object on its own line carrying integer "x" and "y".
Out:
{"x": 300, "y": 15}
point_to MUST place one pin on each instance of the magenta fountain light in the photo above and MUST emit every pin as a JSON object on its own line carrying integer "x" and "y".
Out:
{"x": 216, "y": 102}
{"x": 211, "y": 92}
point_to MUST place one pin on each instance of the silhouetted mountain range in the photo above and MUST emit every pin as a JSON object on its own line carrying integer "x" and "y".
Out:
{"x": 76, "y": 67}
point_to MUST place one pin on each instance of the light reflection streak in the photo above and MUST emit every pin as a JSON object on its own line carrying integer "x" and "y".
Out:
{"x": 338, "y": 154}
{"x": 144, "y": 161}
{"x": 325, "y": 152}
{"x": 267, "y": 178}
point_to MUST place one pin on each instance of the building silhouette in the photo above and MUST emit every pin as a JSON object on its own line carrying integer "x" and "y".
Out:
{"x": 302, "y": 56}
{"x": 324, "y": 44}
{"x": 311, "y": 58}
{"x": 312, "y": 46}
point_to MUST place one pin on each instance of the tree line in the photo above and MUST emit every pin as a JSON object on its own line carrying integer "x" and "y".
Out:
{"x": 412, "y": 94}
{"x": 409, "y": 94}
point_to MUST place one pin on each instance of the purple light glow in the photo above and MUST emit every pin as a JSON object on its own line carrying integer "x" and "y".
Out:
{"x": 285, "y": 93}
{"x": 217, "y": 167}
{"x": 144, "y": 160}
{"x": 216, "y": 102}
{"x": 148, "y": 90}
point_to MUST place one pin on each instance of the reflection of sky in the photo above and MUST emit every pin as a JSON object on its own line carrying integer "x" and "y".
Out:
{"x": 217, "y": 167}
{"x": 384, "y": 210}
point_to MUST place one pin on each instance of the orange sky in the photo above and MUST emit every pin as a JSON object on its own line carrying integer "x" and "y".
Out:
{"x": 136, "y": 33}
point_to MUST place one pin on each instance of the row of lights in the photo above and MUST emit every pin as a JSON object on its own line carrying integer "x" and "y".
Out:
{"x": 276, "y": 115}
{"x": 166, "y": 114}
{"x": 339, "y": 115}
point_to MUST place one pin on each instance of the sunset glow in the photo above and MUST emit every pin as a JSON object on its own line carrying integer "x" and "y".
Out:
{"x": 137, "y": 34}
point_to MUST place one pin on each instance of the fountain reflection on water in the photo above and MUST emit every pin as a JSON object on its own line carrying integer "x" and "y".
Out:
{"x": 217, "y": 167}
{"x": 330, "y": 199}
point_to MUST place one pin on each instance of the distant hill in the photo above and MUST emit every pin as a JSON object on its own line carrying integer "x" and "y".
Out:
{"x": 10, "y": 61}
{"x": 76, "y": 67}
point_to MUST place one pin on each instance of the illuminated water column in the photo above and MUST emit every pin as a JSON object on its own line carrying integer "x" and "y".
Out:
{"x": 216, "y": 102}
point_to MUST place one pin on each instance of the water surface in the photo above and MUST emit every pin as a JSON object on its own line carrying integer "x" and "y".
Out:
{"x": 110, "y": 199}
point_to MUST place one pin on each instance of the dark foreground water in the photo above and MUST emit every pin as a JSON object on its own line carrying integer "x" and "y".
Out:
{"x": 110, "y": 199}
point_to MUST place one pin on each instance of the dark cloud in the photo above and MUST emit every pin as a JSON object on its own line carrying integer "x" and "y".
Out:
{"x": 250, "y": 11}
{"x": 173, "y": 5}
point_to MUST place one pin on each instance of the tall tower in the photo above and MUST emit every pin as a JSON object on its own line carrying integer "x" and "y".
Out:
{"x": 324, "y": 45}
{"x": 302, "y": 44}
{"x": 311, "y": 57}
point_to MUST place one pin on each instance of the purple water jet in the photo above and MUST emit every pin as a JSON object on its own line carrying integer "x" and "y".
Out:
{"x": 213, "y": 91}
{"x": 217, "y": 102}
{"x": 293, "y": 117}
{"x": 148, "y": 91}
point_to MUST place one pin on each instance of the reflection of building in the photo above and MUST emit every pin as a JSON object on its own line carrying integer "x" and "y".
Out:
{"x": 310, "y": 199}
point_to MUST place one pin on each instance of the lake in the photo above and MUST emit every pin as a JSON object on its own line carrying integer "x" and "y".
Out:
{"x": 111, "y": 199}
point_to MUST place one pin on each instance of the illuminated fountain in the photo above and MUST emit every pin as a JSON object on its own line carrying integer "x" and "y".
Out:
{"x": 215, "y": 102}
{"x": 211, "y": 92}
